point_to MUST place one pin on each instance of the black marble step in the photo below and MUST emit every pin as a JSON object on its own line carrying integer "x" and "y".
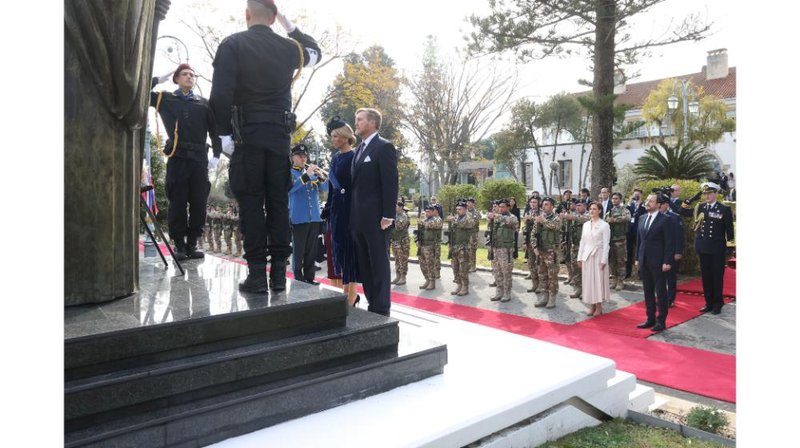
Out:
{"x": 109, "y": 396}
{"x": 212, "y": 419}
{"x": 106, "y": 352}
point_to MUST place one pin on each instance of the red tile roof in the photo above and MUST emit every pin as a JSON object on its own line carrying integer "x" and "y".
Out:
{"x": 636, "y": 93}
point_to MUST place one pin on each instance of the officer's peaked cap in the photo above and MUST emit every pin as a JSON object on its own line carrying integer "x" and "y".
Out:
{"x": 300, "y": 149}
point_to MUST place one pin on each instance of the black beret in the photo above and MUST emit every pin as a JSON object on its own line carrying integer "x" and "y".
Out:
{"x": 549, "y": 199}
{"x": 335, "y": 123}
{"x": 504, "y": 202}
{"x": 662, "y": 199}
{"x": 300, "y": 149}
{"x": 429, "y": 207}
{"x": 461, "y": 204}
{"x": 471, "y": 200}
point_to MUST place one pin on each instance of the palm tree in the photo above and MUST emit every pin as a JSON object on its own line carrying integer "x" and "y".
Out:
{"x": 689, "y": 161}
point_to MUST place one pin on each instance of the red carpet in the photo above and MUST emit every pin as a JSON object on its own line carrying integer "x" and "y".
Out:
{"x": 614, "y": 336}
{"x": 624, "y": 320}
{"x": 695, "y": 286}
{"x": 692, "y": 370}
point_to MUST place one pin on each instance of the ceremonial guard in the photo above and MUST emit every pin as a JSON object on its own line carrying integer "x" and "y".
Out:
{"x": 665, "y": 207}
{"x": 576, "y": 220}
{"x": 548, "y": 228}
{"x": 401, "y": 244}
{"x": 189, "y": 122}
{"x": 530, "y": 235}
{"x": 252, "y": 99}
{"x": 428, "y": 233}
{"x": 713, "y": 229}
{"x": 503, "y": 226}
{"x": 462, "y": 226}
{"x": 473, "y": 241}
{"x": 618, "y": 218}
{"x": 304, "y": 212}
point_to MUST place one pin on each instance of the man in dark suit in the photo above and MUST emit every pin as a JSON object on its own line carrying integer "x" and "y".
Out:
{"x": 675, "y": 199}
{"x": 710, "y": 242}
{"x": 636, "y": 207}
{"x": 655, "y": 253}
{"x": 605, "y": 200}
{"x": 375, "y": 186}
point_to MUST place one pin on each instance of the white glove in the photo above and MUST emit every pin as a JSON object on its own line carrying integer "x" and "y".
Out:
{"x": 163, "y": 78}
{"x": 227, "y": 145}
{"x": 285, "y": 23}
{"x": 212, "y": 163}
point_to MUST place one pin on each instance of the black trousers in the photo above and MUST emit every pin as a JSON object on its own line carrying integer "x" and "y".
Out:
{"x": 186, "y": 184}
{"x": 305, "y": 238}
{"x": 712, "y": 269}
{"x": 260, "y": 179}
{"x": 372, "y": 253}
{"x": 672, "y": 280}
{"x": 654, "y": 282}
{"x": 630, "y": 247}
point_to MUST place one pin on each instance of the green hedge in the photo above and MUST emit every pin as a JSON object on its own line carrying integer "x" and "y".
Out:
{"x": 501, "y": 188}
{"x": 449, "y": 193}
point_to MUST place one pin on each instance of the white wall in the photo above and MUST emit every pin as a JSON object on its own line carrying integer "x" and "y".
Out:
{"x": 628, "y": 152}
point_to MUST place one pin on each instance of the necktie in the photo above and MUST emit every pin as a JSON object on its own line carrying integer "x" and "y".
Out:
{"x": 647, "y": 224}
{"x": 359, "y": 152}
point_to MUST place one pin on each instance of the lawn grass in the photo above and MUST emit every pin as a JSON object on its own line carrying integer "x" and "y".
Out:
{"x": 625, "y": 434}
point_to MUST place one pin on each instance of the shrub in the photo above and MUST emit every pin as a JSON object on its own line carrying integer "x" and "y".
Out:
{"x": 448, "y": 194}
{"x": 707, "y": 419}
{"x": 501, "y": 188}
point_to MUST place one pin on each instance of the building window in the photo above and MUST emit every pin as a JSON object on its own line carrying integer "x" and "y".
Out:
{"x": 529, "y": 175}
{"x": 565, "y": 173}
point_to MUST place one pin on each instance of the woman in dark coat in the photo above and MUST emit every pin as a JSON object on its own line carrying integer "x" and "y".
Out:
{"x": 338, "y": 207}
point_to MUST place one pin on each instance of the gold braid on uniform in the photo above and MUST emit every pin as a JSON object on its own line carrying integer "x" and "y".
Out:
{"x": 158, "y": 130}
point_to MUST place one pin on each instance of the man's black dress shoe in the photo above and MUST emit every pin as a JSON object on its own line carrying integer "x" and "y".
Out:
{"x": 705, "y": 309}
{"x": 658, "y": 327}
{"x": 647, "y": 324}
{"x": 717, "y": 311}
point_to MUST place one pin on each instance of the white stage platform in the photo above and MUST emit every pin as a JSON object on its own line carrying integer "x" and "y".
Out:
{"x": 498, "y": 390}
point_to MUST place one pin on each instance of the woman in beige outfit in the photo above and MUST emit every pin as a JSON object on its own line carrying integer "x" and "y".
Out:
{"x": 593, "y": 260}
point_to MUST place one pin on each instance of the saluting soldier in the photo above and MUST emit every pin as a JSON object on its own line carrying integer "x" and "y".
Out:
{"x": 577, "y": 219}
{"x": 189, "y": 121}
{"x": 463, "y": 225}
{"x": 400, "y": 243}
{"x": 252, "y": 100}
{"x": 713, "y": 229}
{"x": 548, "y": 227}
{"x": 473, "y": 241}
{"x": 618, "y": 219}
{"x": 504, "y": 226}
{"x": 430, "y": 227}
{"x": 530, "y": 236}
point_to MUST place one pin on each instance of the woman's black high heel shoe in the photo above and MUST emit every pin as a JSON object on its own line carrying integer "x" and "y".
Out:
{"x": 358, "y": 299}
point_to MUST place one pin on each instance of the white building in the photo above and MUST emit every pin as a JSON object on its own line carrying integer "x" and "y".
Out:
{"x": 716, "y": 78}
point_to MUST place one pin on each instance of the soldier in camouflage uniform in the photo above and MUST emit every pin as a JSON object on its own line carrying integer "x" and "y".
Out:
{"x": 618, "y": 219}
{"x": 473, "y": 240}
{"x": 400, "y": 244}
{"x": 429, "y": 232}
{"x": 530, "y": 235}
{"x": 207, "y": 232}
{"x": 227, "y": 230}
{"x": 504, "y": 226}
{"x": 547, "y": 245}
{"x": 437, "y": 248}
{"x": 576, "y": 220}
{"x": 216, "y": 224}
{"x": 462, "y": 227}
{"x": 563, "y": 208}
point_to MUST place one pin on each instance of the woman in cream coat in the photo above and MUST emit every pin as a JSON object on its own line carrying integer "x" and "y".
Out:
{"x": 593, "y": 260}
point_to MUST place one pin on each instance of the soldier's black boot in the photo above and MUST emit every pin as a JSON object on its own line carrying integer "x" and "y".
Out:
{"x": 256, "y": 281}
{"x": 277, "y": 275}
{"x": 180, "y": 250}
{"x": 191, "y": 248}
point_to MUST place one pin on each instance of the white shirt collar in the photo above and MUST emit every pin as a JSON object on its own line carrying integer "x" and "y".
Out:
{"x": 653, "y": 215}
{"x": 711, "y": 204}
{"x": 369, "y": 139}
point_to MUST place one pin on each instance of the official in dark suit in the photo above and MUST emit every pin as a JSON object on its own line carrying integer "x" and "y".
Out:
{"x": 715, "y": 229}
{"x": 375, "y": 186}
{"x": 672, "y": 275}
{"x": 605, "y": 200}
{"x": 655, "y": 253}
{"x": 636, "y": 208}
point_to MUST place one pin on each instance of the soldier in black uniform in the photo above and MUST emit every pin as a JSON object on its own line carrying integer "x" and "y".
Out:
{"x": 714, "y": 228}
{"x": 189, "y": 121}
{"x": 254, "y": 71}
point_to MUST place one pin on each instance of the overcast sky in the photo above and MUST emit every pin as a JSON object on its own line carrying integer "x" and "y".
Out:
{"x": 401, "y": 28}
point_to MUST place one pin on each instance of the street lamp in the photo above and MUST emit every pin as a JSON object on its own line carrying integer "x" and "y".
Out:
{"x": 693, "y": 108}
